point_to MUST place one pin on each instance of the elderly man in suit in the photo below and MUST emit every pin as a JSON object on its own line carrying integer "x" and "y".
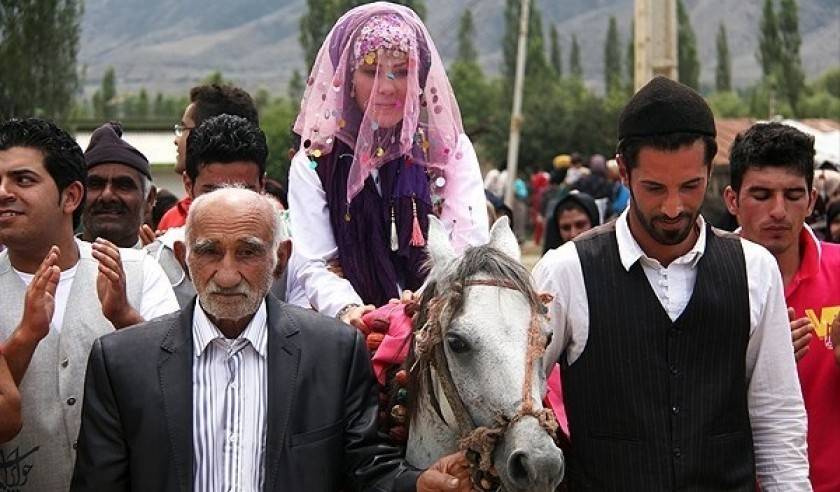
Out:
{"x": 239, "y": 391}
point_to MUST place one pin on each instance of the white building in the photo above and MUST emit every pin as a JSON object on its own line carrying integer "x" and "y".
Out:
{"x": 159, "y": 147}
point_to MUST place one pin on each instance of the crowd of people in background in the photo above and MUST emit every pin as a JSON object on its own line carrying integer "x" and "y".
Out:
{"x": 571, "y": 181}
{"x": 244, "y": 373}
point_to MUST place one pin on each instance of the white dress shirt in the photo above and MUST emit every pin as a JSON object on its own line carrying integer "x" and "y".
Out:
{"x": 777, "y": 414}
{"x": 229, "y": 404}
{"x": 464, "y": 215}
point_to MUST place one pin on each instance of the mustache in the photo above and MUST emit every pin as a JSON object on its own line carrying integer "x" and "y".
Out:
{"x": 241, "y": 289}
{"x": 665, "y": 218}
{"x": 779, "y": 224}
{"x": 99, "y": 206}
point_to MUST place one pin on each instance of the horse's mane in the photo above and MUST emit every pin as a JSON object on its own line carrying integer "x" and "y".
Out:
{"x": 446, "y": 282}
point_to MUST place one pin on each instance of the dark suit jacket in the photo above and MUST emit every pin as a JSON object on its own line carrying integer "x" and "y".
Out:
{"x": 136, "y": 431}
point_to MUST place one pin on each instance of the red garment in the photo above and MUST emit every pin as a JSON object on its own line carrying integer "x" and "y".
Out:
{"x": 394, "y": 347}
{"x": 815, "y": 292}
{"x": 175, "y": 216}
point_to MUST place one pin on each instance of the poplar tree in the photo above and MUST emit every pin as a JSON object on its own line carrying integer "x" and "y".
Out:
{"x": 769, "y": 44}
{"x": 39, "y": 43}
{"x": 536, "y": 63}
{"x": 612, "y": 58}
{"x": 574, "y": 59}
{"x": 792, "y": 78}
{"x": 688, "y": 63}
{"x": 466, "y": 46}
{"x": 723, "y": 72}
{"x": 556, "y": 55}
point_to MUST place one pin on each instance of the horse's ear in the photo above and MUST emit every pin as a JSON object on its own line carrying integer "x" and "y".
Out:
{"x": 438, "y": 245}
{"x": 503, "y": 239}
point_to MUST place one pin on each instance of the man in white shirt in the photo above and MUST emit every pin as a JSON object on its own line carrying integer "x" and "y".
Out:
{"x": 59, "y": 294}
{"x": 672, "y": 336}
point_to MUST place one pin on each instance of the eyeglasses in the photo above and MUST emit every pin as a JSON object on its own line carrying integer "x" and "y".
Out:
{"x": 180, "y": 128}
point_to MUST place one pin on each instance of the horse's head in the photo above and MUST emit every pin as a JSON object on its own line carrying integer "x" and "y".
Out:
{"x": 492, "y": 333}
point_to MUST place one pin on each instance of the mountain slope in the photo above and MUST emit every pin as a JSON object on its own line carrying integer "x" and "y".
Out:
{"x": 168, "y": 46}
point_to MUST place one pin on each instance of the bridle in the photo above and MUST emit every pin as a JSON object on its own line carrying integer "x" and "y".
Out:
{"x": 479, "y": 442}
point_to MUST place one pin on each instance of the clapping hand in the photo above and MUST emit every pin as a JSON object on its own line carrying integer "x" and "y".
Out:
{"x": 39, "y": 302}
{"x": 110, "y": 285}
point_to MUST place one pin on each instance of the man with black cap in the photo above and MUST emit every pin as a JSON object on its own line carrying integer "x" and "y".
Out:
{"x": 119, "y": 189}
{"x": 673, "y": 339}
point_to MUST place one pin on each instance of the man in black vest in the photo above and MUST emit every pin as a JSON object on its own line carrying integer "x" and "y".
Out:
{"x": 672, "y": 336}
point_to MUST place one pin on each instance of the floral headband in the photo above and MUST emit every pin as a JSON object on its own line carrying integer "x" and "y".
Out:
{"x": 383, "y": 32}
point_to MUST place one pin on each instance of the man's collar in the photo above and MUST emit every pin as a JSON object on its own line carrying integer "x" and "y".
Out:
{"x": 137, "y": 245}
{"x": 173, "y": 235}
{"x": 630, "y": 252}
{"x": 204, "y": 331}
{"x": 810, "y": 254}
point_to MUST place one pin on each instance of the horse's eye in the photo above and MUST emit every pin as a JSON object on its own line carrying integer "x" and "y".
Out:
{"x": 457, "y": 344}
{"x": 548, "y": 338}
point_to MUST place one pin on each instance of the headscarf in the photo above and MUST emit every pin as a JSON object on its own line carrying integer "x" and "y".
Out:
{"x": 552, "y": 229}
{"x": 431, "y": 123}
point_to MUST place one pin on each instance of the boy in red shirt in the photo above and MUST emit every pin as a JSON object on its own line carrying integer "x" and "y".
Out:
{"x": 771, "y": 194}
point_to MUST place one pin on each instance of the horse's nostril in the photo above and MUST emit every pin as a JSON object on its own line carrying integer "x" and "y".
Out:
{"x": 518, "y": 467}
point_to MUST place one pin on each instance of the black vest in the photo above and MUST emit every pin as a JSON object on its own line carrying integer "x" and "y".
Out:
{"x": 657, "y": 405}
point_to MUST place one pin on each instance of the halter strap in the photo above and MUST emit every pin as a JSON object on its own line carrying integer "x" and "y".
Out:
{"x": 504, "y": 283}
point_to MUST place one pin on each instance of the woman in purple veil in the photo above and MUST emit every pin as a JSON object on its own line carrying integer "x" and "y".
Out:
{"x": 382, "y": 146}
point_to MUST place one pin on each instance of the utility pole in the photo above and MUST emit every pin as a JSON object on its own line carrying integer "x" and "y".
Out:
{"x": 655, "y": 40}
{"x": 516, "y": 114}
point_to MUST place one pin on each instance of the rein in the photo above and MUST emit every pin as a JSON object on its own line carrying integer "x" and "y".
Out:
{"x": 479, "y": 442}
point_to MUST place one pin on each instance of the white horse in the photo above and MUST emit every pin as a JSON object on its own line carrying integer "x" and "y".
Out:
{"x": 477, "y": 364}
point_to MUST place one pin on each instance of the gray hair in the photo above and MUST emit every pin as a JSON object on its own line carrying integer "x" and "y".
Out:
{"x": 279, "y": 230}
{"x": 145, "y": 186}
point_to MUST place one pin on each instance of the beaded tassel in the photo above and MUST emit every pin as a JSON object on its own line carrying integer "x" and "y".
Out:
{"x": 395, "y": 240}
{"x": 417, "y": 238}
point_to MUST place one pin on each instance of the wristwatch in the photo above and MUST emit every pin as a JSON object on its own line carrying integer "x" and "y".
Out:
{"x": 341, "y": 312}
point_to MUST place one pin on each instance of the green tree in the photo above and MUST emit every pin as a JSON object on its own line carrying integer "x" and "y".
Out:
{"x": 276, "y": 121}
{"x": 216, "y": 77}
{"x": 315, "y": 23}
{"x": 723, "y": 71}
{"x": 143, "y": 104}
{"x": 262, "y": 99}
{"x": 769, "y": 44}
{"x": 728, "y": 104}
{"x": 687, "y": 61}
{"x": 295, "y": 89}
{"x": 574, "y": 60}
{"x": 471, "y": 88}
{"x": 466, "y": 33}
{"x": 105, "y": 104}
{"x": 39, "y": 42}
{"x": 791, "y": 77}
{"x": 556, "y": 53}
{"x": 157, "y": 107}
{"x": 612, "y": 58}
{"x": 829, "y": 81}
{"x": 630, "y": 59}
{"x": 536, "y": 64}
